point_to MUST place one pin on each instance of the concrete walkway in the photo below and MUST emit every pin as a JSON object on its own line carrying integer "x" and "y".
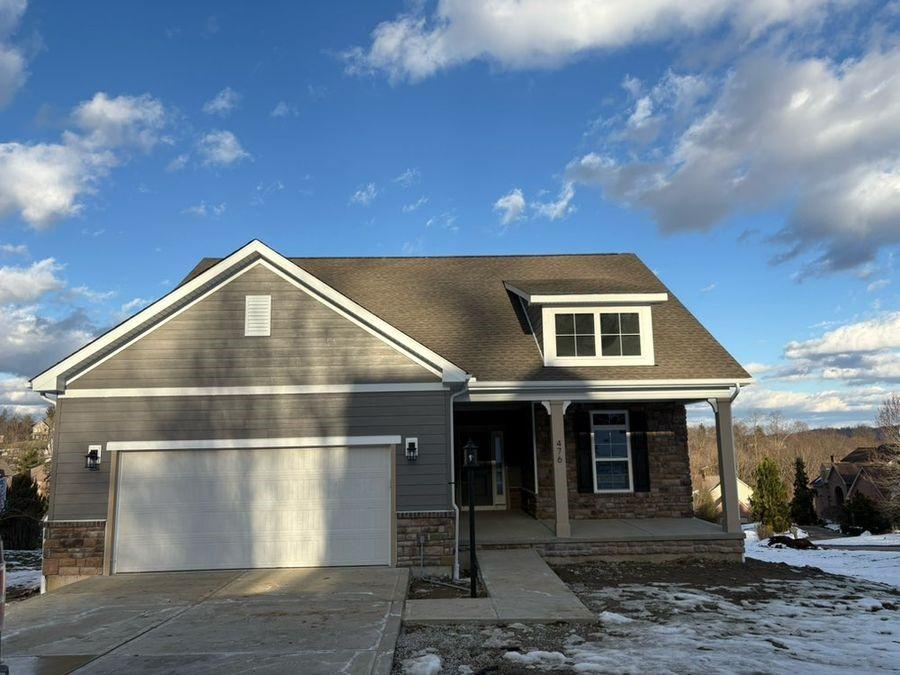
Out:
{"x": 521, "y": 589}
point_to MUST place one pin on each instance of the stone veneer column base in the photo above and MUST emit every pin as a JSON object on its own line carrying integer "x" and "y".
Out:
{"x": 73, "y": 550}
{"x": 425, "y": 541}
{"x": 726, "y": 548}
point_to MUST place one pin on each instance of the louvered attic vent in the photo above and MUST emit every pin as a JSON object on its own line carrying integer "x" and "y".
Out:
{"x": 258, "y": 316}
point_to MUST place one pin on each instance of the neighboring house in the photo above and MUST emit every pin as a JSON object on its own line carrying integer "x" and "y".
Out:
{"x": 862, "y": 471}
{"x": 274, "y": 412}
{"x": 40, "y": 430}
{"x": 712, "y": 483}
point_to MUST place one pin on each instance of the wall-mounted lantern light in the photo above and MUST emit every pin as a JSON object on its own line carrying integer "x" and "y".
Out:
{"x": 470, "y": 455}
{"x": 412, "y": 449}
{"x": 92, "y": 458}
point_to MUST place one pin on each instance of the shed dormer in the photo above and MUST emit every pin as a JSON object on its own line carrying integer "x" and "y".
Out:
{"x": 590, "y": 322}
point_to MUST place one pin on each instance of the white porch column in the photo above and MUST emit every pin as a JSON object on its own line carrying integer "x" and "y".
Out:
{"x": 560, "y": 481}
{"x": 731, "y": 510}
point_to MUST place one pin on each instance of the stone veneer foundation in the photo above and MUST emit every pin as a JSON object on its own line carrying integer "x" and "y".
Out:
{"x": 425, "y": 540}
{"x": 728, "y": 547}
{"x": 72, "y": 550}
{"x": 670, "y": 472}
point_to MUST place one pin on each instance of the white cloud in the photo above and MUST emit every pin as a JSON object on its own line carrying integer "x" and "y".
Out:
{"x": 800, "y": 404}
{"x": 284, "y": 109}
{"x": 511, "y": 207}
{"x": 90, "y": 294}
{"x": 135, "y": 121}
{"x": 13, "y": 72}
{"x": 16, "y": 396}
{"x": 14, "y": 249}
{"x": 132, "y": 306}
{"x": 365, "y": 195}
{"x": 408, "y": 178}
{"x": 220, "y": 148}
{"x": 264, "y": 190}
{"x": 30, "y": 342}
{"x": 202, "y": 210}
{"x": 222, "y": 103}
{"x": 43, "y": 182}
{"x": 708, "y": 288}
{"x": 27, "y": 284}
{"x": 414, "y": 206}
{"x": 178, "y": 163}
{"x": 818, "y": 135}
{"x": 530, "y": 33}
{"x": 559, "y": 208}
{"x": 445, "y": 220}
{"x": 879, "y": 333}
{"x": 878, "y": 285}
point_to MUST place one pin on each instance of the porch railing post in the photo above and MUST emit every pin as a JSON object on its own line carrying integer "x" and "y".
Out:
{"x": 731, "y": 510}
{"x": 560, "y": 480}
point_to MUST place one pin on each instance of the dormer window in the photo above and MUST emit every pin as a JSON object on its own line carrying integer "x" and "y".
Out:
{"x": 620, "y": 334}
{"x": 598, "y": 336}
{"x": 575, "y": 335}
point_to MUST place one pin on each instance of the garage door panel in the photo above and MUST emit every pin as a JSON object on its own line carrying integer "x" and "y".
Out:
{"x": 219, "y": 509}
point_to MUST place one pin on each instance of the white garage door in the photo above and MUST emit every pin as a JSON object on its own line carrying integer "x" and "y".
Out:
{"x": 230, "y": 509}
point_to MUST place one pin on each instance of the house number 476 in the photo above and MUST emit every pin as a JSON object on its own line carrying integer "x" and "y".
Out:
{"x": 559, "y": 452}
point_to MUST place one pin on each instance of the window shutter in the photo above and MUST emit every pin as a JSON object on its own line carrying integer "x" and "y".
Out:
{"x": 584, "y": 465}
{"x": 640, "y": 461}
{"x": 258, "y": 316}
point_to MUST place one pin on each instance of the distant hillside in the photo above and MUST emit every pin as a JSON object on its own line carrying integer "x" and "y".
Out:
{"x": 779, "y": 439}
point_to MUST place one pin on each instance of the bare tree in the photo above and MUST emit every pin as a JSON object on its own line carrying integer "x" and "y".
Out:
{"x": 888, "y": 422}
{"x": 888, "y": 419}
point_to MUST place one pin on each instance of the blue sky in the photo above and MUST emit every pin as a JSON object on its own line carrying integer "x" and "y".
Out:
{"x": 748, "y": 152}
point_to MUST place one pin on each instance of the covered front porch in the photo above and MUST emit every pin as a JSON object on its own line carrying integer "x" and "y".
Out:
{"x": 589, "y": 474}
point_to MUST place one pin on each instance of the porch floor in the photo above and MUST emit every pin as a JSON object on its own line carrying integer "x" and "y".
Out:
{"x": 517, "y": 527}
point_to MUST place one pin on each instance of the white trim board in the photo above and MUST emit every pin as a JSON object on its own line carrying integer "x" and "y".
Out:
{"x": 253, "y": 443}
{"x": 570, "y": 384}
{"x": 51, "y": 379}
{"x": 255, "y": 391}
{"x": 578, "y": 298}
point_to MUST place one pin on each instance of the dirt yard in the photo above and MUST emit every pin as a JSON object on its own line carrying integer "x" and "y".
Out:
{"x": 683, "y": 617}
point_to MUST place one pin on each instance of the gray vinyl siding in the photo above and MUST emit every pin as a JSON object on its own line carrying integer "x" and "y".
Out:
{"x": 310, "y": 344}
{"x": 78, "y": 494}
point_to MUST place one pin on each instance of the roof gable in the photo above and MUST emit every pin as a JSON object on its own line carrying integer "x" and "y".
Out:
{"x": 204, "y": 282}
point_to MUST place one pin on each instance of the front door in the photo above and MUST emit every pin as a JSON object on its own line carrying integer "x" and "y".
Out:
{"x": 489, "y": 478}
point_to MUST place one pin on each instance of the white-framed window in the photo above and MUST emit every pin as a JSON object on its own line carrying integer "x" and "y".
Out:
{"x": 611, "y": 446}
{"x": 257, "y": 315}
{"x": 598, "y": 336}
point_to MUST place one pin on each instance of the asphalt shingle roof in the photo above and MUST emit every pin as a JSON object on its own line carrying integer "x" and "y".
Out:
{"x": 459, "y": 308}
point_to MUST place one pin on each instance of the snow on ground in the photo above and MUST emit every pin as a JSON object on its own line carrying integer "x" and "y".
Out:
{"x": 23, "y": 570}
{"x": 814, "y": 625}
{"x": 427, "y": 663}
{"x": 879, "y": 566}
{"x": 865, "y": 539}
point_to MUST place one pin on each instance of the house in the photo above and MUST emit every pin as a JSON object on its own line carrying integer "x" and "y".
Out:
{"x": 712, "y": 483}
{"x": 275, "y": 411}
{"x": 862, "y": 471}
{"x": 40, "y": 430}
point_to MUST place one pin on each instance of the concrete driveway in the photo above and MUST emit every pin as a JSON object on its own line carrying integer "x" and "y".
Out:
{"x": 268, "y": 621}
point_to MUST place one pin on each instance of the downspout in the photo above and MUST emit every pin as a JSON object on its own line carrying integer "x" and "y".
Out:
{"x": 737, "y": 390}
{"x": 453, "y": 481}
